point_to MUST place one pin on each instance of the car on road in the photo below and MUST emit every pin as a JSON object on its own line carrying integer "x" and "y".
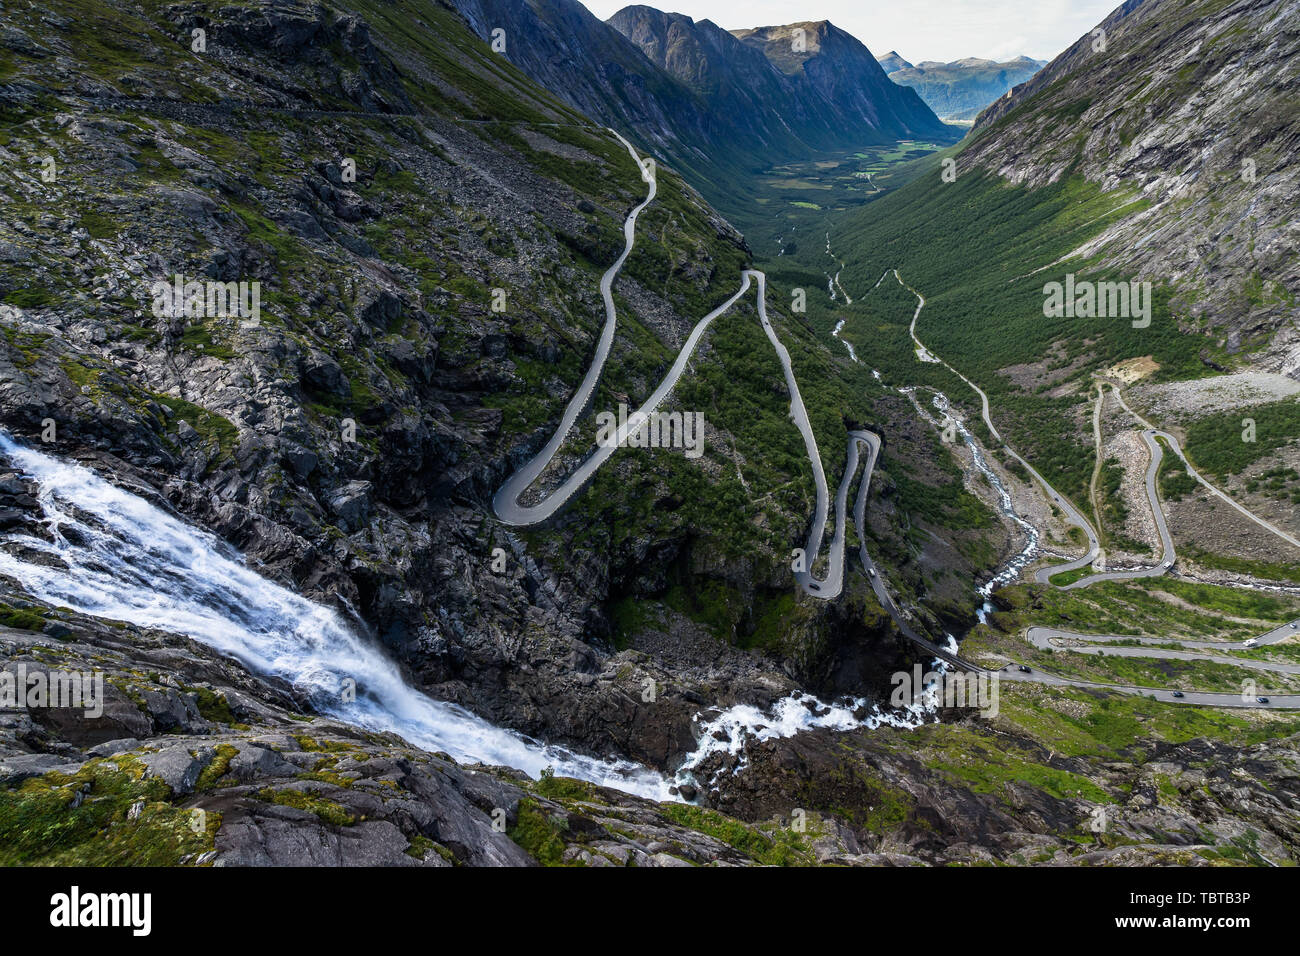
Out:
{"x": 1023, "y": 669}
{"x": 1253, "y": 642}
{"x": 814, "y": 586}
{"x": 1293, "y": 625}
{"x": 1261, "y": 700}
{"x": 1178, "y": 693}
{"x": 871, "y": 571}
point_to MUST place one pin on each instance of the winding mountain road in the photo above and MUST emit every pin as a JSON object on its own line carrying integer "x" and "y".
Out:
{"x": 1046, "y": 638}
{"x": 509, "y": 510}
{"x": 1168, "y": 555}
{"x": 1192, "y": 472}
{"x": 1038, "y": 635}
{"x": 506, "y": 502}
{"x": 1072, "y": 514}
{"x": 1096, "y": 454}
{"x": 1151, "y": 436}
{"x": 1042, "y": 637}
{"x": 1202, "y": 698}
{"x": 1050, "y": 638}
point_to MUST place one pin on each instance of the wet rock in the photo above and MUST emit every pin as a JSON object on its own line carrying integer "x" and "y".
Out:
{"x": 177, "y": 767}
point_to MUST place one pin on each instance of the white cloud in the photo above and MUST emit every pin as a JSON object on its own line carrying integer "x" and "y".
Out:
{"x": 918, "y": 29}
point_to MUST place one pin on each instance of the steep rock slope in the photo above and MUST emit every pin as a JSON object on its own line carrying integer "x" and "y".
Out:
{"x": 1196, "y": 106}
{"x": 738, "y": 85}
{"x": 836, "y": 97}
{"x": 350, "y": 441}
{"x": 560, "y": 45}
{"x": 836, "y": 67}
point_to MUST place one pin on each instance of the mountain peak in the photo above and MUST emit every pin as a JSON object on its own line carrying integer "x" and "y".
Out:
{"x": 789, "y": 46}
{"x": 893, "y": 61}
{"x": 811, "y": 29}
{"x": 641, "y": 10}
{"x": 792, "y": 86}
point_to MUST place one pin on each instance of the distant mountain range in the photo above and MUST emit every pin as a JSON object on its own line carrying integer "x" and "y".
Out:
{"x": 960, "y": 89}
{"x": 708, "y": 100}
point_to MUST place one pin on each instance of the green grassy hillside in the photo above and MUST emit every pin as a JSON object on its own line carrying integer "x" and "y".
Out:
{"x": 980, "y": 251}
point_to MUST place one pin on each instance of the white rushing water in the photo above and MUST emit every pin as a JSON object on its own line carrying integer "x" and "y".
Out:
{"x": 114, "y": 555}
{"x": 728, "y": 731}
{"x": 839, "y": 327}
{"x": 121, "y": 558}
{"x": 1013, "y": 568}
{"x": 1021, "y": 560}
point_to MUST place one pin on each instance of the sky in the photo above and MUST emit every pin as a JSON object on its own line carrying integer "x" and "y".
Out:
{"x": 918, "y": 29}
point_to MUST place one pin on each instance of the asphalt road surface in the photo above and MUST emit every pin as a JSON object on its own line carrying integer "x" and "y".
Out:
{"x": 509, "y": 510}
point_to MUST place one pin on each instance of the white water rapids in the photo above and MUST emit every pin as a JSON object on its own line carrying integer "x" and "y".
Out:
{"x": 114, "y": 555}
{"x": 728, "y": 731}
{"x": 1011, "y": 571}
{"x": 1017, "y": 564}
{"x": 134, "y": 562}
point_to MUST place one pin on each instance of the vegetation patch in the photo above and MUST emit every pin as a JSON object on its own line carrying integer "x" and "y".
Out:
{"x": 779, "y": 847}
{"x": 328, "y": 811}
{"x": 106, "y": 814}
{"x": 540, "y": 834}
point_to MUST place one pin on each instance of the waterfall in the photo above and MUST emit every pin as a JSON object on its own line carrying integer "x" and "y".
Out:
{"x": 114, "y": 555}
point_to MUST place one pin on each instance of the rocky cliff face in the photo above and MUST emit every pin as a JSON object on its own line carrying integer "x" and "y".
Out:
{"x": 744, "y": 97}
{"x": 961, "y": 89}
{"x": 837, "y": 68}
{"x": 833, "y": 96}
{"x": 715, "y": 108}
{"x": 379, "y": 174}
{"x": 561, "y": 46}
{"x": 1192, "y": 107}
